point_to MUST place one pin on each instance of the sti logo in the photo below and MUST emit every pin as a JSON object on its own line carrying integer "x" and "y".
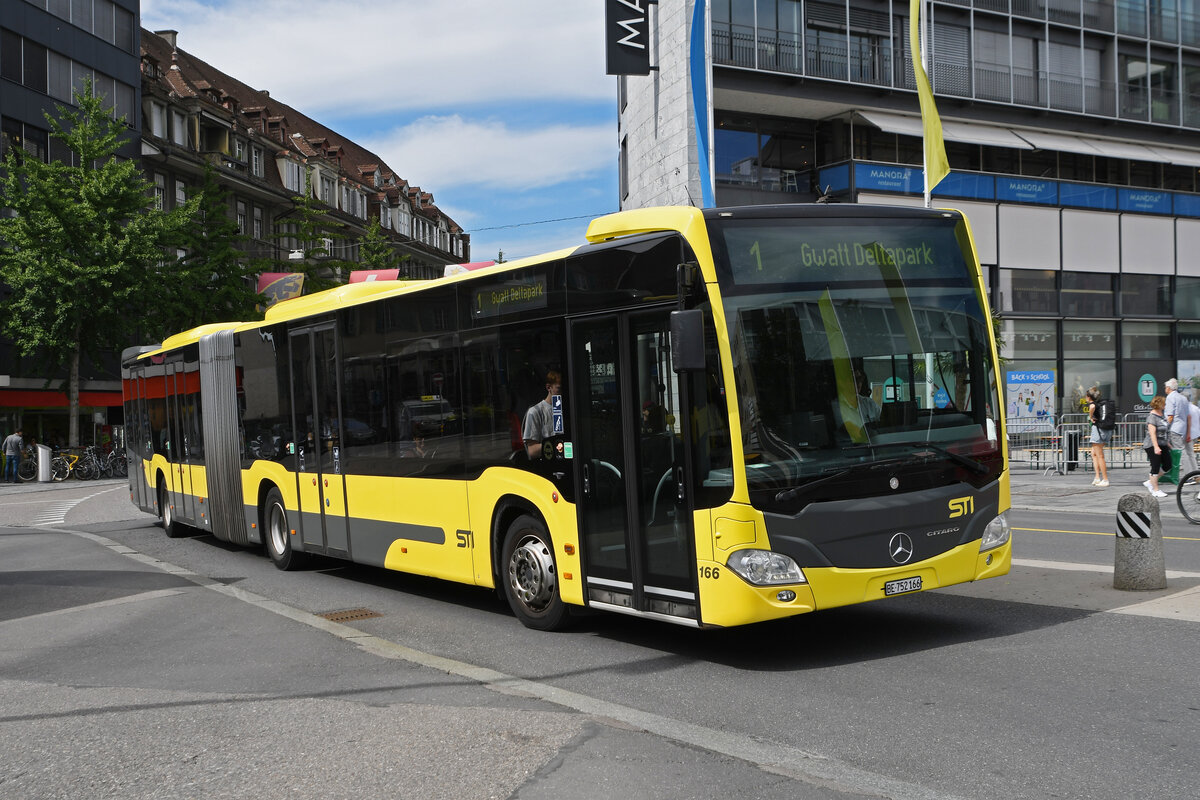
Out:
{"x": 961, "y": 506}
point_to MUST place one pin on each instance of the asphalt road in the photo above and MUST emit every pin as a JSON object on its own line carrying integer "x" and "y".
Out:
{"x": 132, "y": 665}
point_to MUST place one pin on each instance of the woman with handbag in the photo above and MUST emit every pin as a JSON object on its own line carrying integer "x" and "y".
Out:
{"x": 1157, "y": 449}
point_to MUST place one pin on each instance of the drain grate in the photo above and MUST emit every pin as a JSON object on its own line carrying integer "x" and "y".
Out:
{"x": 350, "y": 614}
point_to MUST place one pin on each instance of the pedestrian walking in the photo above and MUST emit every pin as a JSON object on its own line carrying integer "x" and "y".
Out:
{"x": 1155, "y": 443}
{"x": 1176, "y": 414}
{"x": 1103, "y": 414}
{"x": 14, "y": 443}
{"x": 1187, "y": 459}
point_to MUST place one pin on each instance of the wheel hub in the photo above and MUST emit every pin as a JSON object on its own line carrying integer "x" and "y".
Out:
{"x": 531, "y": 573}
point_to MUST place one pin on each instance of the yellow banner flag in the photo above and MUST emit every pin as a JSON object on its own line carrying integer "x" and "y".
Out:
{"x": 936, "y": 164}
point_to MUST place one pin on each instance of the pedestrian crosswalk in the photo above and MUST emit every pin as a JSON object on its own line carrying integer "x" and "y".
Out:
{"x": 56, "y": 513}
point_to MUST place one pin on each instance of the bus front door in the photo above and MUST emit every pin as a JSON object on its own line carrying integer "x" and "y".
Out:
{"x": 324, "y": 525}
{"x": 638, "y": 542}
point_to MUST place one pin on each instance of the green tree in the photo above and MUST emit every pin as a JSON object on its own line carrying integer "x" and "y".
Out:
{"x": 213, "y": 281}
{"x": 309, "y": 224}
{"x": 376, "y": 251}
{"x": 80, "y": 250}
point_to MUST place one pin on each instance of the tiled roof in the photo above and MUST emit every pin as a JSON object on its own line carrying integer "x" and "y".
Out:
{"x": 188, "y": 76}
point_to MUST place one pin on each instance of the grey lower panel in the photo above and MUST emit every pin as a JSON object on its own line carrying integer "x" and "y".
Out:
{"x": 371, "y": 539}
{"x": 254, "y": 533}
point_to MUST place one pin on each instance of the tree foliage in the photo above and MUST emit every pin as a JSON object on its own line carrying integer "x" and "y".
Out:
{"x": 375, "y": 251}
{"x": 308, "y": 223}
{"x": 80, "y": 251}
{"x": 212, "y": 281}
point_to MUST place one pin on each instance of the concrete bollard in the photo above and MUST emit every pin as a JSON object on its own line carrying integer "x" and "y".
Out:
{"x": 1139, "y": 564}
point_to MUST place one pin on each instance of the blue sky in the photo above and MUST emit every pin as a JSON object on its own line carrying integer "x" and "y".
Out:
{"x": 500, "y": 108}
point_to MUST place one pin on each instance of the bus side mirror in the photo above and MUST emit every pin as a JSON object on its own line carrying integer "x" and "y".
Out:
{"x": 687, "y": 340}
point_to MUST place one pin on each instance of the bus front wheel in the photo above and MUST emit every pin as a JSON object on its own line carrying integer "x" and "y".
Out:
{"x": 530, "y": 576}
{"x": 278, "y": 533}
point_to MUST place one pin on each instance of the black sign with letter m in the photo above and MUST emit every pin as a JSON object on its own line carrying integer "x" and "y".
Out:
{"x": 626, "y": 37}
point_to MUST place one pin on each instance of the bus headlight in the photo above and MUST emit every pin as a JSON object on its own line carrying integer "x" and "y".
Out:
{"x": 997, "y": 532}
{"x": 765, "y": 568}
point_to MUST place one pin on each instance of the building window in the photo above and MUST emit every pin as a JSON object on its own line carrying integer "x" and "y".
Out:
{"x": 258, "y": 223}
{"x": 1145, "y": 295}
{"x": 1146, "y": 340}
{"x": 1086, "y": 294}
{"x": 160, "y": 191}
{"x": 256, "y": 162}
{"x": 239, "y": 150}
{"x": 241, "y": 217}
{"x": 180, "y": 193}
{"x": 1029, "y": 291}
{"x": 1030, "y": 339}
{"x": 328, "y": 194}
{"x": 179, "y": 133}
{"x": 158, "y": 120}
{"x": 1092, "y": 339}
{"x": 1187, "y": 298}
{"x": 291, "y": 176}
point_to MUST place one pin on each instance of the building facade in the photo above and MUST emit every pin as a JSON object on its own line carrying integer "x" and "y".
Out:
{"x": 1072, "y": 130}
{"x": 182, "y": 115}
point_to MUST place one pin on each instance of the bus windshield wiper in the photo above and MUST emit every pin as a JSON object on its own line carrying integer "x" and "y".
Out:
{"x": 795, "y": 491}
{"x": 957, "y": 458}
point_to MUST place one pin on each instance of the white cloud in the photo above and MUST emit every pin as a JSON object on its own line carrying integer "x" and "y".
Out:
{"x": 452, "y": 151}
{"x": 347, "y": 57}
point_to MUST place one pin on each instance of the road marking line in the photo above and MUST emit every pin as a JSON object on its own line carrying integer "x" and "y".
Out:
{"x": 1183, "y": 605}
{"x": 57, "y": 513}
{"x": 778, "y": 759}
{"x": 1109, "y": 533}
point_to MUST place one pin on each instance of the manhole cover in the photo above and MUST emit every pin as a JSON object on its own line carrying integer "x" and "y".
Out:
{"x": 350, "y": 615}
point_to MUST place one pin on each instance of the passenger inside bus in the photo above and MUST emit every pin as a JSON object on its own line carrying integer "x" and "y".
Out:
{"x": 539, "y": 419}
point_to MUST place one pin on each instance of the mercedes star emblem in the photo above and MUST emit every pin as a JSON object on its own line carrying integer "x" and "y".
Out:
{"x": 894, "y": 483}
{"x": 900, "y": 548}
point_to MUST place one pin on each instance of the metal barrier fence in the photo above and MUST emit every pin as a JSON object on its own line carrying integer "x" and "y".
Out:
{"x": 1049, "y": 444}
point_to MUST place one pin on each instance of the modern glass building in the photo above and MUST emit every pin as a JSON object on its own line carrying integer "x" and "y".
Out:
{"x": 1072, "y": 129}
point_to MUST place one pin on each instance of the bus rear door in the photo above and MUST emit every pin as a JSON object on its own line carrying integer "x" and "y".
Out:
{"x": 638, "y": 542}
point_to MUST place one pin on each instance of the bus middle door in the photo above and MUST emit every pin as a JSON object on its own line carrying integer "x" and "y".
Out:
{"x": 318, "y": 441}
{"x": 638, "y": 542}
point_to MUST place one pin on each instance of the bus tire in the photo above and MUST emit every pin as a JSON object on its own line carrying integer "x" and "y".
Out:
{"x": 170, "y": 525}
{"x": 277, "y": 533}
{"x": 530, "y": 576}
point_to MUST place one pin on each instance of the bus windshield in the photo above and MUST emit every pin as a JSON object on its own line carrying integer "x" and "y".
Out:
{"x": 856, "y": 342}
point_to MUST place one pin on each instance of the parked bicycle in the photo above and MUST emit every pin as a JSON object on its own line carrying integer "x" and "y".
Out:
{"x": 114, "y": 465}
{"x": 87, "y": 467}
{"x": 28, "y": 468}
{"x": 60, "y": 466}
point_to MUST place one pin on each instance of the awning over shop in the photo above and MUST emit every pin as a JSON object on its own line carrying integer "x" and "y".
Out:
{"x": 952, "y": 130}
{"x": 44, "y": 398}
{"x": 1027, "y": 139}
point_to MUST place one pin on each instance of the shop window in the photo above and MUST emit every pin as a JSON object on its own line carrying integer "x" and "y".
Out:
{"x": 1146, "y": 340}
{"x": 1089, "y": 340}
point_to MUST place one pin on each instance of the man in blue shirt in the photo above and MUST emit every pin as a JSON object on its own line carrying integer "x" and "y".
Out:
{"x": 1176, "y": 412}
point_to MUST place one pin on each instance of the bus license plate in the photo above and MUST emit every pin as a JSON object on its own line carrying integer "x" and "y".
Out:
{"x": 903, "y": 585}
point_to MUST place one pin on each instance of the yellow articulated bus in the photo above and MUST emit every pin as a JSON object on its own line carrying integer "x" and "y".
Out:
{"x": 708, "y": 417}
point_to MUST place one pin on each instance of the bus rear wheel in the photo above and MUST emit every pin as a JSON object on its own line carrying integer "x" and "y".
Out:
{"x": 530, "y": 576}
{"x": 171, "y": 526}
{"x": 278, "y": 533}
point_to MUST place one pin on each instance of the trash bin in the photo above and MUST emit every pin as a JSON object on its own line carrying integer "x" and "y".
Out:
{"x": 1071, "y": 449}
{"x": 44, "y": 455}
{"x": 1173, "y": 475}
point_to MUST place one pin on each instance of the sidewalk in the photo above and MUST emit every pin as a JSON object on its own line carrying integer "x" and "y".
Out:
{"x": 1047, "y": 490}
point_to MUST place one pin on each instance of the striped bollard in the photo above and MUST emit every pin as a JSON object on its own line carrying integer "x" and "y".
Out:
{"x": 1138, "y": 563}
